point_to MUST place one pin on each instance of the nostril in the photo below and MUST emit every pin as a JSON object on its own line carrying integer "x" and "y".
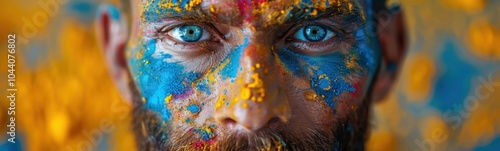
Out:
{"x": 228, "y": 122}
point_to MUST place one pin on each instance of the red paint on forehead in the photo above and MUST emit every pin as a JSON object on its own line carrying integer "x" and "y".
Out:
{"x": 245, "y": 7}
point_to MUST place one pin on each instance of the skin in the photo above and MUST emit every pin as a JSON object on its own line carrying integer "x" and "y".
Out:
{"x": 253, "y": 81}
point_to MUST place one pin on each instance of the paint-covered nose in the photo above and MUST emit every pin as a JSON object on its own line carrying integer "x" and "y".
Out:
{"x": 255, "y": 99}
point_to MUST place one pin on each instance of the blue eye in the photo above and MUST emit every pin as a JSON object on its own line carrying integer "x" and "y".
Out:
{"x": 314, "y": 33}
{"x": 189, "y": 33}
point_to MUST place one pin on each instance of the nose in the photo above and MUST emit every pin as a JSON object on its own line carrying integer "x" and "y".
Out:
{"x": 255, "y": 99}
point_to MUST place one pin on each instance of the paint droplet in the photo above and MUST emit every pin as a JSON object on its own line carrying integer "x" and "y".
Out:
{"x": 143, "y": 100}
{"x": 245, "y": 93}
{"x": 168, "y": 98}
{"x": 205, "y": 133}
{"x": 350, "y": 62}
{"x": 311, "y": 96}
{"x": 314, "y": 13}
{"x": 193, "y": 108}
{"x": 220, "y": 101}
{"x": 212, "y": 8}
{"x": 324, "y": 82}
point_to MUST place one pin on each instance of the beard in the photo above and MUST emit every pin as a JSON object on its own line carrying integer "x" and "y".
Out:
{"x": 263, "y": 140}
{"x": 348, "y": 133}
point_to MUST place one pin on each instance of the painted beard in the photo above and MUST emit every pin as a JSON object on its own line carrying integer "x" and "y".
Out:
{"x": 349, "y": 133}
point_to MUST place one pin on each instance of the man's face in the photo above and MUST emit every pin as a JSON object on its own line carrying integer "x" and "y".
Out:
{"x": 252, "y": 74}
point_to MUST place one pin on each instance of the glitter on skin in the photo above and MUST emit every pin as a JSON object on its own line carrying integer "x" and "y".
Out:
{"x": 154, "y": 84}
{"x": 168, "y": 98}
{"x": 311, "y": 96}
{"x": 205, "y": 133}
{"x": 330, "y": 65}
{"x": 220, "y": 101}
{"x": 326, "y": 73}
{"x": 193, "y": 108}
{"x": 321, "y": 81}
{"x": 228, "y": 68}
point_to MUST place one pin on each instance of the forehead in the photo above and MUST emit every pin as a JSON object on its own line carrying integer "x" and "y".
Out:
{"x": 238, "y": 12}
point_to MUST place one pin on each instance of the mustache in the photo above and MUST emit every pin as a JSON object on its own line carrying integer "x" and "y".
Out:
{"x": 308, "y": 139}
{"x": 349, "y": 134}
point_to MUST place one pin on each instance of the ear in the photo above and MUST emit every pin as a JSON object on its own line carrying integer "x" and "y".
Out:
{"x": 393, "y": 44}
{"x": 111, "y": 32}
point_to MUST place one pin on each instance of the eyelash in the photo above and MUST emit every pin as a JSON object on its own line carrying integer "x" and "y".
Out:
{"x": 162, "y": 32}
{"x": 296, "y": 27}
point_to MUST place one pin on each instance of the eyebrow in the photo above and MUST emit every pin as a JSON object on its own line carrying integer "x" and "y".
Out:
{"x": 348, "y": 11}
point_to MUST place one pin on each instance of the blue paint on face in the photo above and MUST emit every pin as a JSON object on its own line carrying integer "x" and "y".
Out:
{"x": 203, "y": 87}
{"x": 193, "y": 108}
{"x": 327, "y": 72}
{"x": 204, "y": 134}
{"x": 349, "y": 127}
{"x": 329, "y": 66}
{"x": 158, "y": 79}
{"x": 233, "y": 61}
{"x": 364, "y": 47}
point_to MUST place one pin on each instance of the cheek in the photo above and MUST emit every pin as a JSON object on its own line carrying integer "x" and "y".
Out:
{"x": 343, "y": 76}
{"x": 159, "y": 81}
{"x": 309, "y": 110}
{"x": 193, "y": 109}
{"x": 337, "y": 78}
{"x": 349, "y": 102}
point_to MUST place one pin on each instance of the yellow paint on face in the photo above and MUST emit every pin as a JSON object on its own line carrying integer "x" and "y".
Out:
{"x": 220, "y": 101}
{"x": 257, "y": 84}
{"x": 235, "y": 100}
{"x": 311, "y": 96}
{"x": 168, "y": 98}
{"x": 212, "y": 8}
{"x": 207, "y": 129}
{"x": 192, "y": 4}
{"x": 245, "y": 93}
{"x": 350, "y": 62}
